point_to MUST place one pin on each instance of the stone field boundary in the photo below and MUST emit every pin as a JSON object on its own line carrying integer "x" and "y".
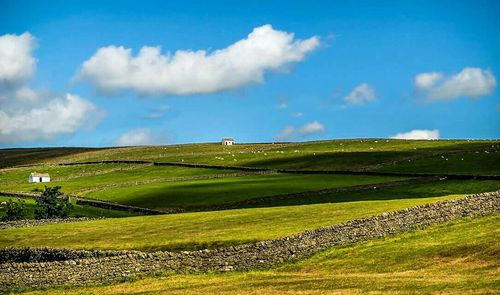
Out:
{"x": 35, "y": 268}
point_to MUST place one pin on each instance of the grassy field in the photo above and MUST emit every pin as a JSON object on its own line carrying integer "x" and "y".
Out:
{"x": 224, "y": 190}
{"x": 12, "y": 157}
{"x": 198, "y": 230}
{"x": 332, "y": 155}
{"x": 77, "y": 211}
{"x": 407, "y": 191}
{"x": 160, "y": 187}
{"x": 74, "y": 179}
{"x": 461, "y": 257}
{"x": 454, "y": 258}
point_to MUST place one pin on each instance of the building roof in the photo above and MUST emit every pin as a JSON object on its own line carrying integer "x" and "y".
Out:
{"x": 228, "y": 139}
{"x": 34, "y": 174}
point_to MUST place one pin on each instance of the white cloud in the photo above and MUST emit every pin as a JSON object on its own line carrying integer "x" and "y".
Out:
{"x": 297, "y": 114}
{"x": 113, "y": 68}
{"x": 30, "y": 115}
{"x": 282, "y": 105}
{"x": 286, "y": 133}
{"x": 360, "y": 95}
{"x": 139, "y": 136}
{"x": 418, "y": 134}
{"x": 289, "y": 132}
{"x": 427, "y": 80}
{"x": 61, "y": 115}
{"x": 470, "y": 82}
{"x": 312, "y": 128}
{"x": 17, "y": 65}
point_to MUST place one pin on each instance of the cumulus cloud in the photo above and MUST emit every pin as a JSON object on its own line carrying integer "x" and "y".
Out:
{"x": 61, "y": 115}
{"x": 470, "y": 82}
{"x": 17, "y": 65}
{"x": 286, "y": 133}
{"x": 30, "y": 115}
{"x": 418, "y": 134}
{"x": 139, "y": 136}
{"x": 150, "y": 72}
{"x": 312, "y": 129}
{"x": 360, "y": 95}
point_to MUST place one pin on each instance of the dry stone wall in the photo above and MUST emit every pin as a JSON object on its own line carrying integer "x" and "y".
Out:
{"x": 298, "y": 171}
{"x": 37, "y": 222}
{"x": 48, "y": 267}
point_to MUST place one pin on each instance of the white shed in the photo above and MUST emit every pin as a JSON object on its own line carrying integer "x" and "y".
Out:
{"x": 227, "y": 141}
{"x": 39, "y": 177}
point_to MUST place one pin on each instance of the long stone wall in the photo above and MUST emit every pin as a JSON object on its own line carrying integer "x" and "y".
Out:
{"x": 37, "y": 222}
{"x": 363, "y": 171}
{"x": 71, "y": 267}
{"x": 297, "y": 171}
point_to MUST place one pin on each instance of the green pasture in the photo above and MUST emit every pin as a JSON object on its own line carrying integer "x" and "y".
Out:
{"x": 460, "y": 257}
{"x": 407, "y": 191}
{"x": 479, "y": 162}
{"x": 77, "y": 211}
{"x": 198, "y": 230}
{"x": 82, "y": 178}
{"x": 350, "y": 154}
{"x": 223, "y": 190}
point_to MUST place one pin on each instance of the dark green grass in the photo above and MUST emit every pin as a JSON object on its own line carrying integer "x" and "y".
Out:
{"x": 23, "y": 156}
{"x": 410, "y": 191}
{"x": 482, "y": 163}
{"x": 77, "y": 211}
{"x": 228, "y": 189}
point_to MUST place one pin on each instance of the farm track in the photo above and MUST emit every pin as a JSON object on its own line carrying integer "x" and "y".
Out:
{"x": 46, "y": 267}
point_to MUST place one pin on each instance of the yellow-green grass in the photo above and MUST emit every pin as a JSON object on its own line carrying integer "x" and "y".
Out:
{"x": 209, "y": 150}
{"x": 83, "y": 178}
{"x": 225, "y": 190}
{"x": 334, "y": 154}
{"x": 460, "y": 257}
{"x": 76, "y": 211}
{"x": 198, "y": 230}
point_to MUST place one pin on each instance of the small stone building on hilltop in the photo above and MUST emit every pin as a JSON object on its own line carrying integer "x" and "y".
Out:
{"x": 39, "y": 177}
{"x": 227, "y": 141}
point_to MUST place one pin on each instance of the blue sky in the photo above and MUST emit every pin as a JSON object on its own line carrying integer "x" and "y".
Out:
{"x": 382, "y": 45}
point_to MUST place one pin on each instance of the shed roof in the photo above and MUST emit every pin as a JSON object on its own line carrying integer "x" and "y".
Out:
{"x": 228, "y": 139}
{"x": 34, "y": 174}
